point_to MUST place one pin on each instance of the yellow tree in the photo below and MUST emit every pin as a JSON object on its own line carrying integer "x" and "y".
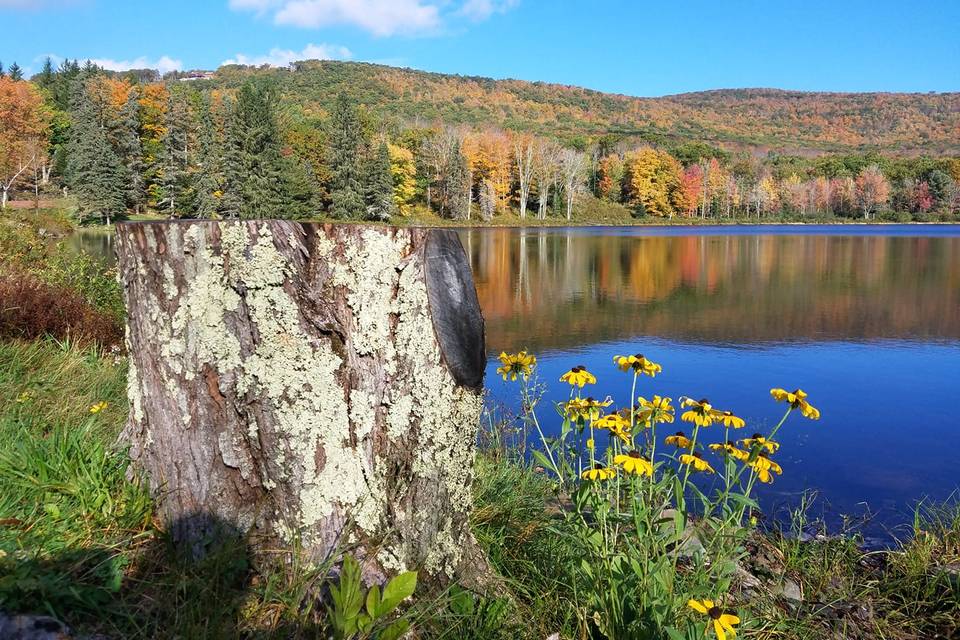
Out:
{"x": 651, "y": 182}
{"x": 23, "y": 127}
{"x": 403, "y": 169}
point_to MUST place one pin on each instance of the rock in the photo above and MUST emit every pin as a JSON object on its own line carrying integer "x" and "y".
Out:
{"x": 788, "y": 590}
{"x": 27, "y": 627}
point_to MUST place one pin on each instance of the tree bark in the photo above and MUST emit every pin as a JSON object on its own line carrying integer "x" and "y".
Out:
{"x": 305, "y": 384}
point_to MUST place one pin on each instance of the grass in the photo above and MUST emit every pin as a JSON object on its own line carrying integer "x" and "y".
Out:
{"x": 78, "y": 541}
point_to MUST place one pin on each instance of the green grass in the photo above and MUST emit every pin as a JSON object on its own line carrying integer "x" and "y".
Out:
{"x": 80, "y": 542}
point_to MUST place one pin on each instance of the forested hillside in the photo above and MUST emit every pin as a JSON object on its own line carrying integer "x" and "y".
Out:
{"x": 366, "y": 142}
{"x": 771, "y": 118}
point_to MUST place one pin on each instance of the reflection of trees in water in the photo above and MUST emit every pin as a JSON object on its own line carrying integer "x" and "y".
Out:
{"x": 548, "y": 288}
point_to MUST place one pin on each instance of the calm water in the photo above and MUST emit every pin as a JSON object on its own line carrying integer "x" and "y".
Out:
{"x": 865, "y": 319}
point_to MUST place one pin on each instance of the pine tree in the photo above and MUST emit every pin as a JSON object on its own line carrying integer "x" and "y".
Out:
{"x": 45, "y": 78}
{"x": 206, "y": 186}
{"x": 378, "y": 185}
{"x": 344, "y": 153}
{"x": 15, "y": 72}
{"x": 93, "y": 170}
{"x": 174, "y": 160}
{"x": 126, "y": 137}
{"x": 260, "y": 181}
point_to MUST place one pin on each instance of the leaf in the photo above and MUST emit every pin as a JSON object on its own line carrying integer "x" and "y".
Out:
{"x": 543, "y": 461}
{"x": 395, "y": 630}
{"x": 674, "y": 634}
{"x": 396, "y": 590}
{"x": 373, "y": 601}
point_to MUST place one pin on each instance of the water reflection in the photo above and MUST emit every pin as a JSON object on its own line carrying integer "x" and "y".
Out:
{"x": 550, "y": 289}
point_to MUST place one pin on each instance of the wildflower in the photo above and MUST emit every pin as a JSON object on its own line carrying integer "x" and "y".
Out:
{"x": 764, "y": 461}
{"x": 24, "y": 397}
{"x": 701, "y": 412}
{"x": 591, "y": 444}
{"x": 598, "y": 472}
{"x": 617, "y": 424}
{"x": 723, "y": 621}
{"x": 584, "y": 408}
{"x": 658, "y": 410}
{"x": 639, "y": 364}
{"x": 696, "y": 461}
{"x": 578, "y": 376}
{"x": 731, "y": 450}
{"x": 97, "y": 408}
{"x": 633, "y": 462}
{"x": 516, "y": 364}
{"x": 797, "y": 400}
{"x": 758, "y": 440}
{"x": 679, "y": 440}
{"x": 728, "y": 419}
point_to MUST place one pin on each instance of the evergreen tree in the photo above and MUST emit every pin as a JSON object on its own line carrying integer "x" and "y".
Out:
{"x": 378, "y": 185}
{"x": 260, "y": 182}
{"x": 206, "y": 185}
{"x": 344, "y": 158}
{"x": 93, "y": 170}
{"x": 15, "y": 72}
{"x": 174, "y": 160}
{"x": 45, "y": 78}
{"x": 126, "y": 137}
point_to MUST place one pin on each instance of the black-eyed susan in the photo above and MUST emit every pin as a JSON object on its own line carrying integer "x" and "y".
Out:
{"x": 797, "y": 400}
{"x": 696, "y": 461}
{"x": 679, "y": 440}
{"x": 763, "y": 461}
{"x": 513, "y": 365}
{"x": 639, "y": 364}
{"x": 578, "y": 376}
{"x": 616, "y": 424}
{"x": 599, "y": 472}
{"x": 700, "y": 412}
{"x": 585, "y": 408}
{"x": 658, "y": 409}
{"x": 728, "y": 419}
{"x": 633, "y": 462}
{"x": 723, "y": 621}
{"x": 761, "y": 442}
{"x": 731, "y": 450}
{"x": 98, "y": 407}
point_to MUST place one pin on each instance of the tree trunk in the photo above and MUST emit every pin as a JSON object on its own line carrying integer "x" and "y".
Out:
{"x": 311, "y": 385}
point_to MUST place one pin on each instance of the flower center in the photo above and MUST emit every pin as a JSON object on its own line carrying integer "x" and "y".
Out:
{"x": 634, "y": 454}
{"x": 715, "y": 612}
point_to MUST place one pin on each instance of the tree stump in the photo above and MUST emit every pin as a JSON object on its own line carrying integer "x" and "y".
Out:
{"x": 305, "y": 384}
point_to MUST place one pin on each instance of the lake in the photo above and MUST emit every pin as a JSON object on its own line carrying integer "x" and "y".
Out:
{"x": 866, "y": 319}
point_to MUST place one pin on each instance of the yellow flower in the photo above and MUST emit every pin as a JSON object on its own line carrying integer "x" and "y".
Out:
{"x": 578, "y": 376}
{"x": 723, "y": 622}
{"x": 728, "y": 419}
{"x": 26, "y": 396}
{"x": 516, "y": 364}
{"x": 633, "y": 462}
{"x": 731, "y": 450}
{"x": 697, "y": 462}
{"x": 797, "y": 400}
{"x": 598, "y": 472}
{"x": 97, "y": 408}
{"x": 659, "y": 409}
{"x": 763, "y": 461}
{"x": 679, "y": 440}
{"x": 639, "y": 364}
{"x": 617, "y": 424}
{"x": 701, "y": 412}
{"x": 584, "y": 408}
{"x": 591, "y": 444}
{"x": 761, "y": 442}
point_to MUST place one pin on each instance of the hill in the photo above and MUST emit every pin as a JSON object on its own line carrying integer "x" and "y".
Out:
{"x": 789, "y": 121}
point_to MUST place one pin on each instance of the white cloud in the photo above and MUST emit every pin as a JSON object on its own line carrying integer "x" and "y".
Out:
{"x": 283, "y": 57}
{"x": 379, "y": 17}
{"x": 483, "y": 9}
{"x": 163, "y": 64}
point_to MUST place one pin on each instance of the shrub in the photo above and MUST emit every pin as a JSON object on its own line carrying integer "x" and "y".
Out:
{"x": 31, "y": 308}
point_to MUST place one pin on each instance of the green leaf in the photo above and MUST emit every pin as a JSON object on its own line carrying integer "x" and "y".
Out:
{"x": 396, "y": 590}
{"x": 395, "y": 630}
{"x": 543, "y": 461}
{"x": 373, "y": 601}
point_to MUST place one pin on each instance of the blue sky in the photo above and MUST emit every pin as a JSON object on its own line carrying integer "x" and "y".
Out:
{"x": 638, "y": 48}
